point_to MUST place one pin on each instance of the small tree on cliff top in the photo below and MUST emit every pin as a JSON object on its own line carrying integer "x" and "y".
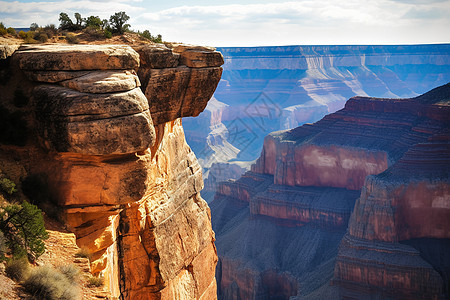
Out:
{"x": 118, "y": 22}
{"x": 65, "y": 22}
{"x": 94, "y": 22}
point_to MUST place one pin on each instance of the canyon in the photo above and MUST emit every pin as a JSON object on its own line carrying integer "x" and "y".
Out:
{"x": 93, "y": 134}
{"x": 265, "y": 89}
{"x": 354, "y": 206}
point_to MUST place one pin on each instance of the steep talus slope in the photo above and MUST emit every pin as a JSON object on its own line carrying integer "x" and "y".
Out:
{"x": 301, "y": 192}
{"x": 111, "y": 156}
{"x": 265, "y": 89}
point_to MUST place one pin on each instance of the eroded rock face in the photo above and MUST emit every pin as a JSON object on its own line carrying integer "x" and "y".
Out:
{"x": 408, "y": 202}
{"x": 128, "y": 187}
{"x": 96, "y": 124}
{"x": 267, "y": 89}
{"x": 177, "y": 87}
{"x": 386, "y": 158}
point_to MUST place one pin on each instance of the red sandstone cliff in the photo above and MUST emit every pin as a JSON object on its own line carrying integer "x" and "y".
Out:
{"x": 398, "y": 212}
{"x": 301, "y": 192}
{"x": 104, "y": 137}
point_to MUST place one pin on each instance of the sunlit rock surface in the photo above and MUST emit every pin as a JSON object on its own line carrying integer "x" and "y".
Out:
{"x": 126, "y": 185}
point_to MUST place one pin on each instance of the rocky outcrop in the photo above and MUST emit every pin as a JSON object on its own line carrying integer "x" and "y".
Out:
{"x": 178, "y": 88}
{"x": 113, "y": 159}
{"x": 393, "y": 155}
{"x": 266, "y": 89}
{"x": 408, "y": 202}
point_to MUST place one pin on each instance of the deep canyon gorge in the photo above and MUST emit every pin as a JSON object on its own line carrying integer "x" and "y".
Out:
{"x": 327, "y": 168}
{"x": 354, "y": 206}
{"x": 265, "y": 89}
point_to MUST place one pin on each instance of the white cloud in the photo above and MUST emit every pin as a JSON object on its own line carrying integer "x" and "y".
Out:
{"x": 309, "y": 21}
{"x": 19, "y": 14}
{"x": 264, "y": 23}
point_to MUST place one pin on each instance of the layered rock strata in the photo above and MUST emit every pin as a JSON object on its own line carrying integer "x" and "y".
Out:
{"x": 115, "y": 161}
{"x": 266, "y": 89}
{"x": 407, "y": 204}
{"x": 392, "y": 154}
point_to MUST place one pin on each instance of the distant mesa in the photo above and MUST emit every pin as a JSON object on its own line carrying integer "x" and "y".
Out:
{"x": 266, "y": 89}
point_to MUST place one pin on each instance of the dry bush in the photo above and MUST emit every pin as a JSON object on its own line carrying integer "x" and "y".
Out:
{"x": 72, "y": 38}
{"x": 71, "y": 272}
{"x": 17, "y": 269}
{"x": 48, "y": 283}
{"x": 84, "y": 253}
{"x": 95, "y": 281}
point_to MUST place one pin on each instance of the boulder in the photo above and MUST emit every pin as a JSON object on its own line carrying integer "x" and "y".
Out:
{"x": 157, "y": 56}
{"x": 201, "y": 87}
{"x": 201, "y": 59}
{"x": 104, "y": 82}
{"x": 77, "y": 57}
{"x": 53, "y": 76}
{"x": 165, "y": 92}
{"x": 71, "y": 121}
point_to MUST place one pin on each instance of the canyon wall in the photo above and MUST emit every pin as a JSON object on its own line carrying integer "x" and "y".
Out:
{"x": 265, "y": 89}
{"x": 399, "y": 212}
{"x": 354, "y": 197}
{"x": 104, "y": 143}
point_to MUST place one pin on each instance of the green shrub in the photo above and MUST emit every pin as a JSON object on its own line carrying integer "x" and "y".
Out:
{"x": 118, "y": 22}
{"x": 146, "y": 34}
{"x": 17, "y": 269}
{"x": 3, "y": 31}
{"x": 50, "y": 30}
{"x": 47, "y": 283}
{"x": 71, "y": 272}
{"x": 94, "y": 22}
{"x": 95, "y": 281}
{"x": 29, "y": 38}
{"x": 94, "y": 32}
{"x": 41, "y": 37}
{"x": 11, "y": 31}
{"x": 23, "y": 227}
{"x": 84, "y": 253}
{"x": 8, "y": 186}
{"x": 22, "y": 34}
{"x": 72, "y": 38}
{"x": 34, "y": 27}
{"x": 108, "y": 34}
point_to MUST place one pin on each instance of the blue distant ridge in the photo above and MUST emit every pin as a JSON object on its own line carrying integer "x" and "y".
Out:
{"x": 22, "y": 29}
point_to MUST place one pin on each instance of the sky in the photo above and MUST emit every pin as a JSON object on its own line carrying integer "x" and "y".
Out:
{"x": 258, "y": 22}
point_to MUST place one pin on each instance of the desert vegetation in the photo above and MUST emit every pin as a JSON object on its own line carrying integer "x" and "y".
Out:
{"x": 69, "y": 29}
{"x": 21, "y": 225}
{"x": 22, "y": 235}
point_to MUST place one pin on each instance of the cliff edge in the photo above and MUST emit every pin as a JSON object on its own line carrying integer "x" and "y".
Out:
{"x": 101, "y": 136}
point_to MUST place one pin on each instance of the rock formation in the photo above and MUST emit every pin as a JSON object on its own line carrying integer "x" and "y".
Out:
{"x": 399, "y": 212}
{"x": 386, "y": 158}
{"x": 110, "y": 151}
{"x": 265, "y": 89}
